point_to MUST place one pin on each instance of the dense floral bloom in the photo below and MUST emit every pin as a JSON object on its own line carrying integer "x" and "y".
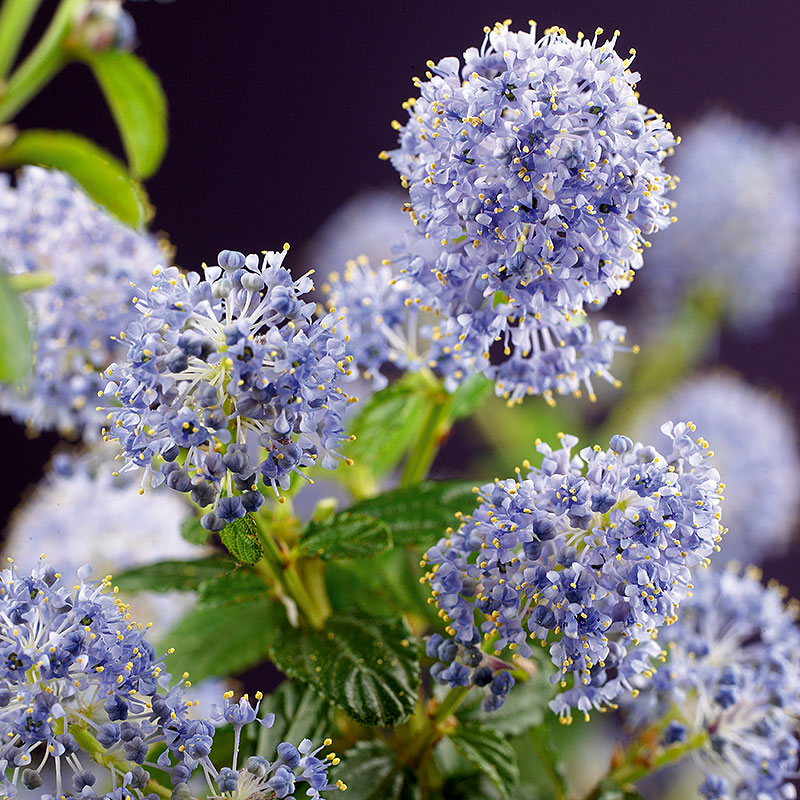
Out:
{"x": 49, "y": 225}
{"x": 756, "y": 450}
{"x": 81, "y": 514}
{"x": 535, "y": 177}
{"x": 589, "y": 553}
{"x": 232, "y": 371}
{"x": 80, "y": 683}
{"x": 731, "y": 681}
{"x": 368, "y": 224}
{"x": 739, "y": 205}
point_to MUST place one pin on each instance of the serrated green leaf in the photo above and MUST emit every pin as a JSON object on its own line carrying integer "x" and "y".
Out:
{"x": 366, "y": 666}
{"x": 167, "y": 576}
{"x": 419, "y": 514}
{"x": 470, "y": 395}
{"x": 300, "y": 714}
{"x": 193, "y": 531}
{"x": 525, "y": 706}
{"x": 371, "y": 772}
{"x": 237, "y": 586}
{"x": 241, "y": 540}
{"x": 346, "y": 535}
{"x": 138, "y": 104}
{"x": 15, "y": 337}
{"x": 217, "y": 640}
{"x": 487, "y": 750}
{"x": 386, "y": 427}
{"x": 103, "y": 177}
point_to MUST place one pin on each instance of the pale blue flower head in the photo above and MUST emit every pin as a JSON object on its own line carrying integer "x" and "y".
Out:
{"x": 535, "y": 177}
{"x": 731, "y": 677}
{"x": 233, "y": 371}
{"x": 591, "y": 553}
{"x": 49, "y": 225}
{"x": 756, "y": 451}
{"x": 738, "y": 204}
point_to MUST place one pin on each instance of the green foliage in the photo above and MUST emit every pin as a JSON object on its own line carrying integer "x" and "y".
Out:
{"x": 610, "y": 790}
{"x": 193, "y": 531}
{"x": 236, "y": 586}
{"x": 470, "y": 396}
{"x": 138, "y": 104}
{"x": 366, "y": 666}
{"x": 371, "y": 772}
{"x": 167, "y": 576}
{"x": 488, "y": 751}
{"x": 300, "y": 714}
{"x": 419, "y": 514}
{"x": 386, "y": 427}
{"x": 15, "y": 338}
{"x": 346, "y": 535}
{"x": 240, "y": 538}
{"x": 103, "y": 177}
{"x": 224, "y": 635}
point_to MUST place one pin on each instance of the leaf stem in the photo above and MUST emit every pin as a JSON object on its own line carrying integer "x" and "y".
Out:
{"x": 15, "y": 19}
{"x": 41, "y": 64}
{"x": 455, "y": 697}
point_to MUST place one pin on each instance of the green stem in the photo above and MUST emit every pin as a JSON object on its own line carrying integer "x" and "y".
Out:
{"x": 41, "y": 64}
{"x": 30, "y": 281}
{"x": 312, "y": 575}
{"x": 15, "y": 19}
{"x": 434, "y": 429}
{"x": 454, "y": 699}
{"x": 314, "y": 615}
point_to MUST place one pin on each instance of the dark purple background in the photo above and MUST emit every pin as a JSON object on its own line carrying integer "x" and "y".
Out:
{"x": 278, "y": 111}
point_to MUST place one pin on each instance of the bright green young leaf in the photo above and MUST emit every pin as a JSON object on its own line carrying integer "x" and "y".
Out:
{"x": 487, "y": 750}
{"x": 386, "y": 426}
{"x": 371, "y": 772}
{"x": 167, "y": 576}
{"x": 103, "y": 177}
{"x": 366, "y": 666}
{"x": 241, "y": 540}
{"x": 137, "y": 101}
{"x": 346, "y": 535}
{"x": 419, "y": 514}
{"x": 15, "y": 337}
{"x": 300, "y": 713}
{"x": 216, "y": 640}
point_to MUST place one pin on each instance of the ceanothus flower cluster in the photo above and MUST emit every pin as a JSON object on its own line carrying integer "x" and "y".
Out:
{"x": 739, "y": 234}
{"x": 535, "y": 176}
{"x": 756, "y": 449}
{"x": 233, "y": 373}
{"x": 82, "y": 690}
{"x": 589, "y": 553}
{"x": 48, "y": 225}
{"x": 731, "y": 684}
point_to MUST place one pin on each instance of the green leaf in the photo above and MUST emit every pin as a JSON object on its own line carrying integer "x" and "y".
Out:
{"x": 138, "y": 104}
{"x": 419, "y": 514}
{"x": 299, "y": 714}
{"x": 487, "y": 750}
{"x": 193, "y": 531}
{"x": 241, "y": 539}
{"x": 610, "y": 790}
{"x": 103, "y": 177}
{"x": 371, "y": 772}
{"x": 346, "y": 535}
{"x": 525, "y": 706}
{"x": 15, "y": 337}
{"x": 237, "y": 586}
{"x": 215, "y": 640}
{"x": 386, "y": 427}
{"x": 167, "y": 576}
{"x": 366, "y": 666}
{"x": 470, "y": 395}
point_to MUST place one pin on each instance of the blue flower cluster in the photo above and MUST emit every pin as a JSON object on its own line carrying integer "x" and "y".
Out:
{"x": 732, "y": 679}
{"x": 756, "y": 449}
{"x": 590, "y": 554}
{"x": 80, "y": 686}
{"x": 233, "y": 373}
{"x": 535, "y": 176}
{"x": 739, "y": 206}
{"x": 49, "y": 225}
